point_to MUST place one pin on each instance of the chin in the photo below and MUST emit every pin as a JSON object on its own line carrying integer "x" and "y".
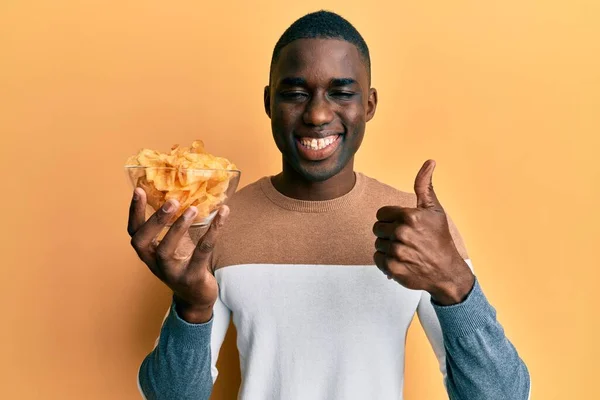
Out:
{"x": 318, "y": 173}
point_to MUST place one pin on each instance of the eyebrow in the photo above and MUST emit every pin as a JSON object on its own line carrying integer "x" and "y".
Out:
{"x": 296, "y": 81}
{"x": 293, "y": 81}
{"x": 342, "y": 82}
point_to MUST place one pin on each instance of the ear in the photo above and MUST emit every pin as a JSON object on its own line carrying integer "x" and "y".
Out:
{"x": 371, "y": 103}
{"x": 267, "y": 100}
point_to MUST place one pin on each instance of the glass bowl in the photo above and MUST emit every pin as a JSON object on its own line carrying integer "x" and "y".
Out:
{"x": 206, "y": 189}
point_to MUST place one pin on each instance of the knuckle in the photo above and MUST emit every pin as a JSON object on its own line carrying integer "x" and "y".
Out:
{"x": 180, "y": 223}
{"x": 162, "y": 217}
{"x": 206, "y": 246}
{"x": 395, "y": 251}
{"x": 412, "y": 217}
{"x": 135, "y": 242}
{"x": 393, "y": 269}
{"x": 162, "y": 254}
{"x": 398, "y": 270}
{"x": 400, "y": 252}
{"x": 401, "y": 232}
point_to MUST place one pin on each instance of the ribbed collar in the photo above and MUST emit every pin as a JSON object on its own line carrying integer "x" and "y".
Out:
{"x": 308, "y": 206}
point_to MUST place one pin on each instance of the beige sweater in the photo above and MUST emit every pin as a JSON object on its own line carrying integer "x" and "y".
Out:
{"x": 267, "y": 227}
{"x": 317, "y": 320}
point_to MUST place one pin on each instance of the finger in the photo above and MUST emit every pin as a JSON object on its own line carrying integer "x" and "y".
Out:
{"x": 169, "y": 244}
{"x": 396, "y": 231}
{"x": 383, "y": 245}
{"x": 137, "y": 210}
{"x": 401, "y": 253}
{"x": 395, "y": 250}
{"x": 394, "y": 213}
{"x": 381, "y": 261}
{"x": 426, "y": 197}
{"x": 384, "y": 230}
{"x": 156, "y": 223}
{"x": 403, "y": 234}
{"x": 400, "y": 272}
{"x": 203, "y": 252}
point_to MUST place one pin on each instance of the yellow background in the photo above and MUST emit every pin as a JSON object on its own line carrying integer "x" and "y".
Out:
{"x": 504, "y": 95}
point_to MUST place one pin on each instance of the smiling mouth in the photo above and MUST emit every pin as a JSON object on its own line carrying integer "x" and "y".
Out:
{"x": 313, "y": 149}
{"x": 318, "y": 144}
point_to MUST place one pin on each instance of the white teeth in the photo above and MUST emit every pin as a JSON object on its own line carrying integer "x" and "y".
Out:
{"x": 317, "y": 144}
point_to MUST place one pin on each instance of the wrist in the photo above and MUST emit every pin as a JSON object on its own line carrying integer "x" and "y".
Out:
{"x": 454, "y": 292}
{"x": 193, "y": 314}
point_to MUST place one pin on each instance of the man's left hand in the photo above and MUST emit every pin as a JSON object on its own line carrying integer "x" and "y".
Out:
{"x": 415, "y": 248}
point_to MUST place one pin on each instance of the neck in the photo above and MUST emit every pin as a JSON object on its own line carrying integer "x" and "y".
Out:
{"x": 291, "y": 184}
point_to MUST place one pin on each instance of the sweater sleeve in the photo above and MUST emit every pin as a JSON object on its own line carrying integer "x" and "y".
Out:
{"x": 476, "y": 358}
{"x": 182, "y": 364}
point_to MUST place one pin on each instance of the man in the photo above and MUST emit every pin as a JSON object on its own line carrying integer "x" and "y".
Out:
{"x": 295, "y": 265}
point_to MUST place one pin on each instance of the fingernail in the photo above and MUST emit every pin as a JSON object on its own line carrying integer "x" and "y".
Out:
{"x": 136, "y": 194}
{"x": 190, "y": 212}
{"x": 168, "y": 206}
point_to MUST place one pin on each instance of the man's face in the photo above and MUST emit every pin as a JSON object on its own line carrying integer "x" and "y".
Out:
{"x": 319, "y": 101}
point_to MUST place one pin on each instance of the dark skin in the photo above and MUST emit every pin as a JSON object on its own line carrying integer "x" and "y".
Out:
{"x": 415, "y": 248}
{"x": 318, "y": 87}
{"x": 180, "y": 264}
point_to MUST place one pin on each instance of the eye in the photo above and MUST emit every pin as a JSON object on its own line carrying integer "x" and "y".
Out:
{"x": 294, "y": 95}
{"x": 343, "y": 95}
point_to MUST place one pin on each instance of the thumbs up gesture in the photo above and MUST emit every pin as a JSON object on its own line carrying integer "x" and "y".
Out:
{"x": 415, "y": 248}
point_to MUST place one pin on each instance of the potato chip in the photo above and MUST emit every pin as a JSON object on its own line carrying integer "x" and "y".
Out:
{"x": 189, "y": 175}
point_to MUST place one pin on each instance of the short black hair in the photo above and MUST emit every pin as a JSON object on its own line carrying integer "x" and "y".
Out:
{"x": 322, "y": 25}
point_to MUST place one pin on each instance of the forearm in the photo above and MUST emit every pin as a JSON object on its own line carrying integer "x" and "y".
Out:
{"x": 179, "y": 367}
{"x": 481, "y": 363}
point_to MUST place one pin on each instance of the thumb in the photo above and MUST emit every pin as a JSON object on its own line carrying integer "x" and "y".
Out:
{"x": 426, "y": 197}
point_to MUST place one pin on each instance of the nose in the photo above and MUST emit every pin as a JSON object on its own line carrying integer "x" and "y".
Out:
{"x": 318, "y": 111}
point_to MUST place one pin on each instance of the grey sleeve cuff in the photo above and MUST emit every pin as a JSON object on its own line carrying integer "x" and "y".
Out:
{"x": 185, "y": 334}
{"x": 462, "y": 319}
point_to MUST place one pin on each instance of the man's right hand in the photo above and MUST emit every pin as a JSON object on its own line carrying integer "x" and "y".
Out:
{"x": 183, "y": 266}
